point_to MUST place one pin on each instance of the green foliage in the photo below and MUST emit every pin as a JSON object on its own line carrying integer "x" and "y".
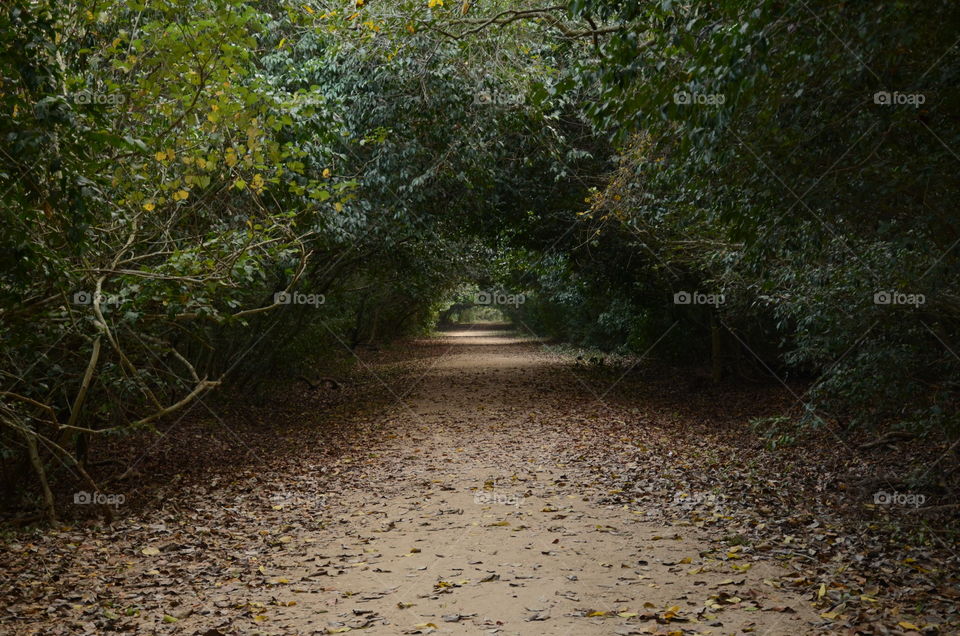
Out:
{"x": 172, "y": 172}
{"x": 759, "y": 159}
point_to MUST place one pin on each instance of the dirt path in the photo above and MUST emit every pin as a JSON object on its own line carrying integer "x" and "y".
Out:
{"x": 458, "y": 513}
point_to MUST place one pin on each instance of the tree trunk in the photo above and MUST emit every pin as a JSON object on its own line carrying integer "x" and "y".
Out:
{"x": 716, "y": 348}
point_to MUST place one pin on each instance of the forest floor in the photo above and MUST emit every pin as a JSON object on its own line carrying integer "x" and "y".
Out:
{"x": 480, "y": 484}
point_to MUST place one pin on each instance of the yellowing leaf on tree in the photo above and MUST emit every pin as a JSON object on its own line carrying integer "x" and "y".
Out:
{"x": 170, "y": 154}
{"x": 160, "y": 156}
{"x": 257, "y": 182}
{"x": 180, "y": 195}
{"x": 149, "y": 206}
{"x": 434, "y": 3}
{"x": 326, "y": 173}
{"x": 338, "y": 206}
{"x": 231, "y": 158}
{"x": 307, "y": 9}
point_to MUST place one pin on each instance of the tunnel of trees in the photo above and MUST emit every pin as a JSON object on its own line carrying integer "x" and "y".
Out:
{"x": 198, "y": 196}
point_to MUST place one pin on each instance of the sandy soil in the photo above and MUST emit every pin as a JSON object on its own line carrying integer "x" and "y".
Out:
{"x": 455, "y": 515}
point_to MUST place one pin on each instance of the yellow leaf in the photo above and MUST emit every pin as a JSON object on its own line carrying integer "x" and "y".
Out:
{"x": 326, "y": 173}
{"x": 627, "y": 614}
{"x": 170, "y": 154}
{"x": 822, "y": 591}
{"x": 180, "y": 195}
{"x": 907, "y": 625}
{"x": 149, "y": 206}
{"x": 151, "y": 551}
{"x": 434, "y": 3}
{"x": 596, "y": 613}
{"x": 422, "y": 625}
{"x": 160, "y": 156}
{"x": 231, "y": 157}
{"x": 339, "y": 208}
{"x": 307, "y": 9}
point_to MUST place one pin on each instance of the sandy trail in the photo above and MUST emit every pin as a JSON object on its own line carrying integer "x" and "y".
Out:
{"x": 461, "y": 510}
{"x": 474, "y": 526}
